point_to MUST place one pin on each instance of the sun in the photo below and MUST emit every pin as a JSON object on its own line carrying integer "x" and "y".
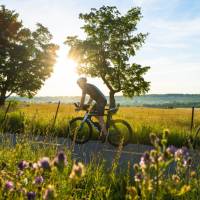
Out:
{"x": 63, "y": 79}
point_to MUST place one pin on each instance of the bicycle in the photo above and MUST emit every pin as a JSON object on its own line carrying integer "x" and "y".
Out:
{"x": 81, "y": 128}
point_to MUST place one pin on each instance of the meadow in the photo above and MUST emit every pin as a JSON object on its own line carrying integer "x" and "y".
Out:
{"x": 48, "y": 173}
{"x": 39, "y": 119}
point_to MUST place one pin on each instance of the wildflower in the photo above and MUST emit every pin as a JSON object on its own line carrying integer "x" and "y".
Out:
{"x": 185, "y": 151}
{"x": 38, "y": 180}
{"x": 193, "y": 174}
{"x": 78, "y": 171}
{"x": 144, "y": 160}
{"x": 35, "y": 166}
{"x": 49, "y": 193}
{"x": 44, "y": 163}
{"x": 9, "y": 185}
{"x": 60, "y": 160}
{"x": 181, "y": 153}
{"x": 23, "y": 164}
{"x": 171, "y": 150}
{"x": 161, "y": 158}
{"x": 138, "y": 177}
{"x": 184, "y": 189}
{"x": 31, "y": 195}
{"x": 175, "y": 178}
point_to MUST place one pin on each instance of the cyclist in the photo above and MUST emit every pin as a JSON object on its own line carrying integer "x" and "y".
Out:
{"x": 100, "y": 102}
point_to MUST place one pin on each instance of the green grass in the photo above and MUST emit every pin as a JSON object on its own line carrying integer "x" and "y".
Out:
{"x": 39, "y": 118}
{"x": 62, "y": 178}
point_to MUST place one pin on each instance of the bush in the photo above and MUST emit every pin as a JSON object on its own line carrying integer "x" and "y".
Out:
{"x": 14, "y": 123}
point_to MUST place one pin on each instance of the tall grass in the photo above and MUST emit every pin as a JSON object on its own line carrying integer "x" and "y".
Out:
{"x": 39, "y": 118}
{"x": 47, "y": 173}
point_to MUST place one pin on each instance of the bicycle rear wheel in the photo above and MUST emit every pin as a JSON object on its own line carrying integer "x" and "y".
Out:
{"x": 79, "y": 130}
{"x": 120, "y": 132}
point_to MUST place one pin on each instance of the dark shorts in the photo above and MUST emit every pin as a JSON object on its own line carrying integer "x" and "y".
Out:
{"x": 98, "y": 109}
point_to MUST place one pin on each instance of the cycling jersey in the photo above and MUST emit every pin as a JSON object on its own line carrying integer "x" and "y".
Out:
{"x": 94, "y": 93}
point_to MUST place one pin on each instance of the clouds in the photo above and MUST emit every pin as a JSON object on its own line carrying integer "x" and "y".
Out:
{"x": 172, "y": 48}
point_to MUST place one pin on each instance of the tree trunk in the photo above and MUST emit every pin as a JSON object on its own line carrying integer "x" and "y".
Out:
{"x": 2, "y": 98}
{"x": 112, "y": 99}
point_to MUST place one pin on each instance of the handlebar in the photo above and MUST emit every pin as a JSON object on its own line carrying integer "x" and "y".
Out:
{"x": 85, "y": 106}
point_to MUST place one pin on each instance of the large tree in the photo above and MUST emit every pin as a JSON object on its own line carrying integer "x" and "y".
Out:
{"x": 106, "y": 51}
{"x": 26, "y": 57}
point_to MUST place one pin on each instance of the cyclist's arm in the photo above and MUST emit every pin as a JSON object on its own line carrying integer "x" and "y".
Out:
{"x": 82, "y": 98}
{"x": 89, "y": 101}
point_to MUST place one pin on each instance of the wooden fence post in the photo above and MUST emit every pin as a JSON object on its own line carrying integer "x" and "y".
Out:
{"x": 192, "y": 120}
{"x": 7, "y": 109}
{"x": 54, "y": 121}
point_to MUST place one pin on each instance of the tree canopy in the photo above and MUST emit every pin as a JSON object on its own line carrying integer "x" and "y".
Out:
{"x": 26, "y": 57}
{"x": 106, "y": 51}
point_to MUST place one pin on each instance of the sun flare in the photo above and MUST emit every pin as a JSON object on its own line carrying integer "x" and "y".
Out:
{"x": 63, "y": 79}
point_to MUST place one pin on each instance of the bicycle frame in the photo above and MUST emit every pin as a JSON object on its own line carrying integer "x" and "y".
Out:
{"x": 87, "y": 117}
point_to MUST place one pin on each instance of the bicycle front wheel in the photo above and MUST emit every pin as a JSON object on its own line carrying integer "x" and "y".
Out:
{"x": 120, "y": 132}
{"x": 79, "y": 130}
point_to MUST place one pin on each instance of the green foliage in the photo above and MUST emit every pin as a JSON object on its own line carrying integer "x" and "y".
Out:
{"x": 43, "y": 172}
{"x": 13, "y": 122}
{"x": 164, "y": 173}
{"x": 26, "y": 57}
{"x": 107, "y": 49}
{"x": 24, "y": 170}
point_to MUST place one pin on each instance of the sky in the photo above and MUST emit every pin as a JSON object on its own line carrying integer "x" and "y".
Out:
{"x": 172, "y": 48}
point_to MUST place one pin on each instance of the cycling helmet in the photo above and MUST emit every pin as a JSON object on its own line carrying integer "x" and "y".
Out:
{"x": 82, "y": 80}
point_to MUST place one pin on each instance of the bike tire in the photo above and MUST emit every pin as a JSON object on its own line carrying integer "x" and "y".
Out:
{"x": 117, "y": 132}
{"x": 84, "y": 133}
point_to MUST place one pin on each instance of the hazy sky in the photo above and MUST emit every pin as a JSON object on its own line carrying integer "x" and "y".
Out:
{"x": 172, "y": 48}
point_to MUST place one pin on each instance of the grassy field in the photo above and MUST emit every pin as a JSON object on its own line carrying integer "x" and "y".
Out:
{"x": 142, "y": 120}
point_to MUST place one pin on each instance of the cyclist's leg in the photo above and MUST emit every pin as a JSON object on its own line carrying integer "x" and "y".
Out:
{"x": 100, "y": 113}
{"x": 103, "y": 125}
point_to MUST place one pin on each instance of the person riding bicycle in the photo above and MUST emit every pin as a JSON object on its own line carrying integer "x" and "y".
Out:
{"x": 100, "y": 102}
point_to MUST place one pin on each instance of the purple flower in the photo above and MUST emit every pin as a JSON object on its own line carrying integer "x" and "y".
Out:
{"x": 185, "y": 151}
{"x": 22, "y": 165}
{"x": 144, "y": 160}
{"x": 9, "y": 185}
{"x": 61, "y": 156}
{"x": 78, "y": 171}
{"x": 44, "y": 163}
{"x": 31, "y": 195}
{"x": 38, "y": 180}
{"x": 171, "y": 150}
{"x": 181, "y": 153}
{"x": 60, "y": 160}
